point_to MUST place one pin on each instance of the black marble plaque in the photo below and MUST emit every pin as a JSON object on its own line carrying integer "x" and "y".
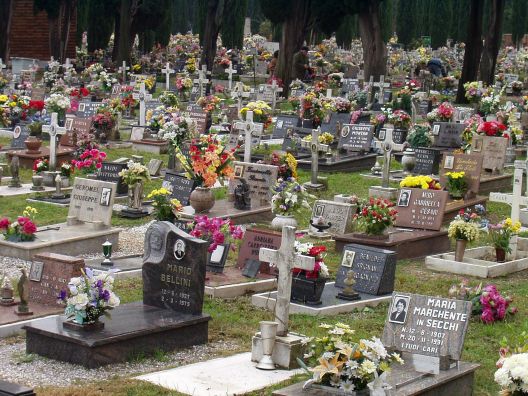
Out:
{"x": 356, "y": 137}
{"x": 20, "y": 134}
{"x": 427, "y": 161}
{"x": 251, "y": 268}
{"x": 399, "y": 135}
{"x": 110, "y": 172}
{"x": 448, "y": 134}
{"x": 335, "y": 123}
{"x": 424, "y": 107}
{"x": 374, "y": 269}
{"x": 349, "y": 85}
{"x": 179, "y": 186}
{"x": 284, "y": 122}
{"x": 173, "y": 269}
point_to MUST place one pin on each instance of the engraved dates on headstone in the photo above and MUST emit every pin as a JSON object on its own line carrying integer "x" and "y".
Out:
{"x": 91, "y": 201}
{"x": 448, "y": 134}
{"x": 179, "y": 186}
{"x": 355, "y": 137}
{"x": 427, "y": 161}
{"x": 470, "y": 164}
{"x": 253, "y": 240}
{"x": 259, "y": 177}
{"x": 110, "y": 172}
{"x": 423, "y": 209}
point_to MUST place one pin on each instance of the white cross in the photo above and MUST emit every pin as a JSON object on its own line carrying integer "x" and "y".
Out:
{"x": 123, "y": 69}
{"x": 168, "y": 71}
{"x": 239, "y": 94}
{"x": 230, "y": 71}
{"x": 516, "y": 200}
{"x": 202, "y": 79}
{"x": 53, "y": 130}
{"x": 382, "y": 85}
{"x": 142, "y": 96}
{"x": 387, "y": 145}
{"x": 249, "y": 127}
{"x": 274, "y": 89}
{"x": 286, "y": 259}
{"x": 315, "y": 147}
{"x": 67, "y": 65}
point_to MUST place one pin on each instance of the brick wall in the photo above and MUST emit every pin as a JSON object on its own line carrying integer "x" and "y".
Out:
{"x": 29, "y": 34}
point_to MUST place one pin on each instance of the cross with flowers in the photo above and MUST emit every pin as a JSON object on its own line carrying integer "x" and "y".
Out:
{"x": 239, "y": 94}
{"x": 230, "y": 71}
{"x": 123, "y": 69}
{"x": 515, "y": 200}
{"x": 315, "y": 146}
{"x": 250, "y": 129}
{"x": 286, "y": 259}
{"x": 142, "y": 96}
{"x": 168, "y": 71}
{"x": 202, "y": 79}
{"x": 53, "y": 130}
{"x": 387, "y": 145}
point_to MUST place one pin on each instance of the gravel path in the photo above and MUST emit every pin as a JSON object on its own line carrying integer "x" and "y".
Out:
{"x": 33, "y": 370}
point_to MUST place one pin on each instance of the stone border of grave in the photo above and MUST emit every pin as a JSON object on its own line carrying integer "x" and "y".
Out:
{"x": 474, "y": 266}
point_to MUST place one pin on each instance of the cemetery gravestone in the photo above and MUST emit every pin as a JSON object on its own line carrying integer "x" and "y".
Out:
{"x": 88, "y": 109}
{"x": 79, "y": 125}
{"x": 448, "y": 134}
{"x": 374, "y": 269}
{"x": 282, "y": 125}
{"x": 335, "y": 123}
{"x": 399, "y": 135}
{"x": 427, "y": 161}
{"x": 253, "y": 240}
{"x": 423, "y": 209}
{"x": 471, "y": 164}
{"x": 91, "y": 201}
{"x": 199, "y": 116}
{"x": 137, "y": 133}
{"x": 337, "y": 213}
{"x": 259, "y": 178}
{"x": 110, "y": 172}
{"x": 173, "y": 269}
{"x": 20, "y": 134}
{"x": 49, "y": 274}
{"x": 493, "y": 150}
{"x": 179, "y": 186}
{"x": 426, "y": 325}
{"x": 154, "y": 166}
{"x": 356, "y": 137}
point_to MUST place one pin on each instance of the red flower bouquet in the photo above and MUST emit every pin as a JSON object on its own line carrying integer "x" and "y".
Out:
{"x": 317, "y": 252}
{"x": 491, "y": 128}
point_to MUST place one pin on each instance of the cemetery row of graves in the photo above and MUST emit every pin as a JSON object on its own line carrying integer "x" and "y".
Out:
{"x": 161, "y": 220}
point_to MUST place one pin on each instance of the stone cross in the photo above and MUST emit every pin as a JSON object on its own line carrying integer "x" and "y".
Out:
{"x": 53, "y": 129}
{"x": 2, "y": 65}
{"x": 230, "y": 71}
{"x": 249, "y": 127}
{"x": 123, "y": 69}
{"x": 168, "y": 71}
{"x": 202, "y": 79}
{"x": 274, "y": 90}
{"x": 315, "y": 147}
{"x": 381, "y": 85}
{"x": 516, "y": 200}
{"x": 239, "y": 94}
{"x": 286, "y": 259}
{"x": 387, "y": 145}
{"x": 142, "y": 96}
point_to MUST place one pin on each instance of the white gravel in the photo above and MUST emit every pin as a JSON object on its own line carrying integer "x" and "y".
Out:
{"x": 33, "y": 370}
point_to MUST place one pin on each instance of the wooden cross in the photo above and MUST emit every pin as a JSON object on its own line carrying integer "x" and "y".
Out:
{"x": 250, "y": 128}
{"x": 286, "y": 259}
{"x": 168, "y": 71}
{"x": 516, "y": 200}
{"x": 142, "y": 96}
{"x": 387, "y": 145}
{"x": 230, "y": 71}
{"x": 53, "y": 130}
{"x": 274, "y": 89}
{"x": 315, "y": 147}
{"x": 202, "y": 79}
{"x": 239, "y": 94}
{"x": 123, "y": 69}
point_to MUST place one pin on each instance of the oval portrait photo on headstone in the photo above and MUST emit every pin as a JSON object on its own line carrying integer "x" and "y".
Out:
{"x": 17, "y": 131}
{"x": 179, "y": 249}
{"x": 345, "y": 131}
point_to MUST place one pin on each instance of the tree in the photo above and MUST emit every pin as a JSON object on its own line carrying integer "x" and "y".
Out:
{"x": 492, "y": 43}
{"x": 127, "y": 12}
{"x": 404, "y": 21}
{"x": 519, "y": 11}
{"x": 473, "y": 48}
{"x": 232, "y": 29}
{"x": 440, "y": 26}
{"x": 6, "y": 10}
{"x": 374, "y": 59}
{"x": 82, "y": 21}
{"x": 347, "y": 31}
{"x": 100, "y": 23}
{"x": 60, "y": 14}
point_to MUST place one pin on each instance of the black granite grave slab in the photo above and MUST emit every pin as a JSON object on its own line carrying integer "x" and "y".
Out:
{"x": 341, "y": 163}
{"x": 134, "y": 330}
{"x": 11, "y": 389}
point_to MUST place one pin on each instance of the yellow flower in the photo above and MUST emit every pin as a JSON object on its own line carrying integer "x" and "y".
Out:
{"x": 3, "y": 98}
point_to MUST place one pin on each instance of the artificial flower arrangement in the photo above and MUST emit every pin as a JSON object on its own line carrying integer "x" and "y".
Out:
{"x": 289, "y": 197}
{"x": 311, "y": 108}
{"x": 127, "y": 98}
{"x": 334, "y": 80}
{"x": 103, "y": 119}
{"x": 375, "y": 215}
{"x": 516, "y": 86}
{"x": 40, "y": 165}
{"x": 318, "y": 253}
{"x": 443, "y": 113}
{"x": 474, "y": 93}
{"x": 323, "y": 138}
{"x": 342, "y": 105}
{"x": 339, "y": 360}
{"x": 472, "y": 124}
{"x": 487, "y": 302}
{"x": 169, "y": 99}
{"x": 378, "y": 119}
{"x": 208, "y": 161}
{"x": 420, "y": 136}
{"x": 89, "y": 161}
{"x": 287, "y": 164}
{"x": 57, "y": 103}
{"x": 209, "y": 103}
{"x": 398, "y": 118}
{"x": 66, "y": 169}
{"x": 413, "y": 85}
{"x": 183, "y": 84}
{"x": 420, "y": 181}
{"x": 21, "y": 230}
{"x": 261, "y": 112}
{"x": 512, "y": 375}
{"x": 216, "y": 231}
{"x": 89, "y": 296}
{"x": 134, "y": 173}
{"x": 490, "y": 102}
{"x": 456, "y": 184}
{"x": 167, "y": 209}
{"x": 465, "y": 226}
{"x": 297, "y": 84}
{"x": 175, "y": 131}
{"x": 491, "y": 128}
{"x": 501, "y": 233}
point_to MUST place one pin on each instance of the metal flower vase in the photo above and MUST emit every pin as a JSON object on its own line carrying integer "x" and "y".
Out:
{"x": 268, "y": 332}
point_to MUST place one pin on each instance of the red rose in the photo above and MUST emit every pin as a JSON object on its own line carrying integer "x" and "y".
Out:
{"x": 4, "y": 223}
{"x": 29, "y": 228}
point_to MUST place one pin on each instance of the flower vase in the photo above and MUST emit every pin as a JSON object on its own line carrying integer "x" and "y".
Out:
{"x": 171, "y": 165}
{"x": 280, "y": 221}
{"x": 456, "y": 194}
{"x": 500, "y": 254}
{"x": 460, "y": 249}
{"x": 84, "y": 326}
{"x": 202, "y": 199}
{"x": 33, "y": 145}
{"x": 135, "y": 196}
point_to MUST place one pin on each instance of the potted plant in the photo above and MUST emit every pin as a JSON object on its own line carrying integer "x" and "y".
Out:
{"x": 420, "y": 136}
{"x": 134, "y": 176}
{"x": 166, "y": 209}
{"x": 443, "y": 113}
{"x": 463, "y": 229}
{"x": 103, "y": 122}
{"x": 288, "y": 198}
{"x": 88, "y": 297}
{"x": 342, "y": 364}
{"x": 308, "y": 286}
{"x": 501, "y": 235}
{"x": 21, "y": 230}
{"x": 207, "y": 162}
{"x": 375, "y": 216}
{"x": 218, "y": 232}
{"x": 456, "y": 184}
